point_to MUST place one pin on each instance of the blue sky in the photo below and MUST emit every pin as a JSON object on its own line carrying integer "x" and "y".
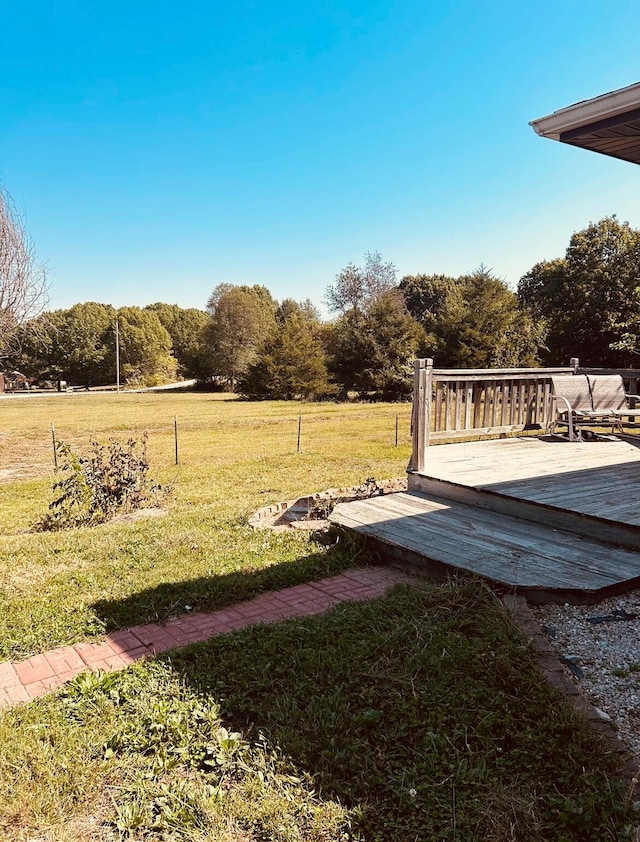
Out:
{"x": 158, "y": 149}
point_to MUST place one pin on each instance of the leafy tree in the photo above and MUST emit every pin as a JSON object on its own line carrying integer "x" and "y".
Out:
{"x": 145, "y": 348}
{"x": 306, "y": 309}
{"x": 23, "y": 281}
{"x": 291, "y": 363}
{"x": 242, "y": 318}
{"x": 34, "y": 343}
{"x": 89, "y": 343}
{"x": 427, "y": 297}
{"x": 77, "y": 344}
{"x": 188, "y": 331}
{"x": 545, "y": 291}
{"x": 216, "y": 294}
{"x": 373, "y": 352}
{"x": 356, "y": 288}
{"x": 260, "y": 292}
{"x": 590, "y": 299}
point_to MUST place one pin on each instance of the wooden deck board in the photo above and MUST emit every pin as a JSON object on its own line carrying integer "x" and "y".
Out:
{"x": 589, "y": 477}
{"x": 517, "y": 535}
{"x": 504, "y": 549}
{"x": 565, "y": 501}
{"x": 471, "y": 524}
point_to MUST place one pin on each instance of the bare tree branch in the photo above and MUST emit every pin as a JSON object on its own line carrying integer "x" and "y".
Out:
{"x": 358, "y": 287}
{"x": 23, "y": 281}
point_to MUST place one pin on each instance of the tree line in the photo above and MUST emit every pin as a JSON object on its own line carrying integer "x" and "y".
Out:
{"x": 264, "y": 348}
{"x": 158, "y": 344}
{"x": 584, "y": 304}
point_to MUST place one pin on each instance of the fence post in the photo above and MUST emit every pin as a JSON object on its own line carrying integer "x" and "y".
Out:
{"x": 299, "y": 431}
{"x": 55, "y": 445}
{"x": 575, "y": 364}
{"x": 421, "y": 412}
{"x": 175, "y": 433}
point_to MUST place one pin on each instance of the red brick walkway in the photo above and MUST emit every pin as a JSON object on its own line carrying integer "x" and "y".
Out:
{"x": 24, "y": 680}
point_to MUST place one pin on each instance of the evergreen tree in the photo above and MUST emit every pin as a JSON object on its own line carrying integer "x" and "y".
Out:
{"x": 291, "y": 362}
{"x": 483, "y": 326}
{"x": 373, "y": 353}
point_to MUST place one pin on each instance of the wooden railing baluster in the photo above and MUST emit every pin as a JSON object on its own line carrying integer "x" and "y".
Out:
{"x": 456, "y": 403}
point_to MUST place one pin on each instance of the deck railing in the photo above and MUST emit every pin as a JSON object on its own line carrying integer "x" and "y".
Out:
{"x": 462, "y": 403}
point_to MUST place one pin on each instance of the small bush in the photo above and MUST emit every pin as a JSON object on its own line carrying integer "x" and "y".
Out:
{"x": 113, "y": 479}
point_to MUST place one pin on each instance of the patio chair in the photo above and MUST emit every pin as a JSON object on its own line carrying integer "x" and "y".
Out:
{"x": 608, "y": 392}
{"x": 574, "y": 405}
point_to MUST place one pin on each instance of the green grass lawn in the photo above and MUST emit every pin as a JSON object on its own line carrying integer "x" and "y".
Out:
{"x": 418, "y": 716}
{"x": 235, "y": 456}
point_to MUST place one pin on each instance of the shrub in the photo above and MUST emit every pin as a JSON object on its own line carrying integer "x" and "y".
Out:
{"x": 113, "y": 479}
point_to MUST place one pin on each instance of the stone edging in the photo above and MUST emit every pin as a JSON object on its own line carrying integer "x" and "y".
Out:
{"x": 293, "y": 514}
{"x": 555, "y": 673}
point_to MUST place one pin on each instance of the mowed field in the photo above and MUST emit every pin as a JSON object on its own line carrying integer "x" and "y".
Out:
{"x": 234, "y": 457}
{"x": 421, "y": 715}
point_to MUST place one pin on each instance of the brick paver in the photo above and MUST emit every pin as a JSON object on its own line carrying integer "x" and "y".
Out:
{"x": 22, "y": 681}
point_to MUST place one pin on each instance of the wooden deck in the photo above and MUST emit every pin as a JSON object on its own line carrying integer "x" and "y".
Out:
{"x": 553, "y": 519}
{"x": 597, "y": 479}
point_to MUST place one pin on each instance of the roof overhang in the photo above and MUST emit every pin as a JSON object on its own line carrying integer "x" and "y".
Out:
{"x": 609, "y": 124}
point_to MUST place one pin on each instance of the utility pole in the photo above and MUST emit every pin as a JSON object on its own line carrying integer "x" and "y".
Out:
{"x": 117, "y": 358}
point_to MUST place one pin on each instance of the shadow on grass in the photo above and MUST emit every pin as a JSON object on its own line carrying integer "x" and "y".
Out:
{"x": 424, "y": 709}
{"x": 209, "y": 593}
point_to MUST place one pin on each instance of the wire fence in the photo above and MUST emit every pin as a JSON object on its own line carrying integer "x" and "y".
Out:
{"x": 302, "y": 432}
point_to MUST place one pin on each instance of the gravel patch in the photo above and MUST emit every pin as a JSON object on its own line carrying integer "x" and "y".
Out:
{"x": 599, "y": 646}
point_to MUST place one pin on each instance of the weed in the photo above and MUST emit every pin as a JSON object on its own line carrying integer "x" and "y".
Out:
{"x": 181, "y": 771}
{"x": 322, "y": 505}
{"x": 112, "y": 479}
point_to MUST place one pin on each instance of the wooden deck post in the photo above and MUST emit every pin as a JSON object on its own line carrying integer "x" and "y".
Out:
{"x": 428, "y": 394}
{"x": 421, "y": 412}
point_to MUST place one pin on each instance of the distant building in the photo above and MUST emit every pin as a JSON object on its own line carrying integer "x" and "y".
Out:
{"x": 15, "y": 381}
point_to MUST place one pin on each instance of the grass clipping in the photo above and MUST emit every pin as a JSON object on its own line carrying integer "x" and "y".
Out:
{"x": 113, "y": 479}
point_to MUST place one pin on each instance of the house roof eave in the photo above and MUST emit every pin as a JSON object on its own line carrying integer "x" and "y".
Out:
{"x": 588, "y": 111}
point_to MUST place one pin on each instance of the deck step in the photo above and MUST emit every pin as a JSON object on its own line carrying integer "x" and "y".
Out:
{"x": 544, "y": 563}
{"x": 603, "y": 529}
